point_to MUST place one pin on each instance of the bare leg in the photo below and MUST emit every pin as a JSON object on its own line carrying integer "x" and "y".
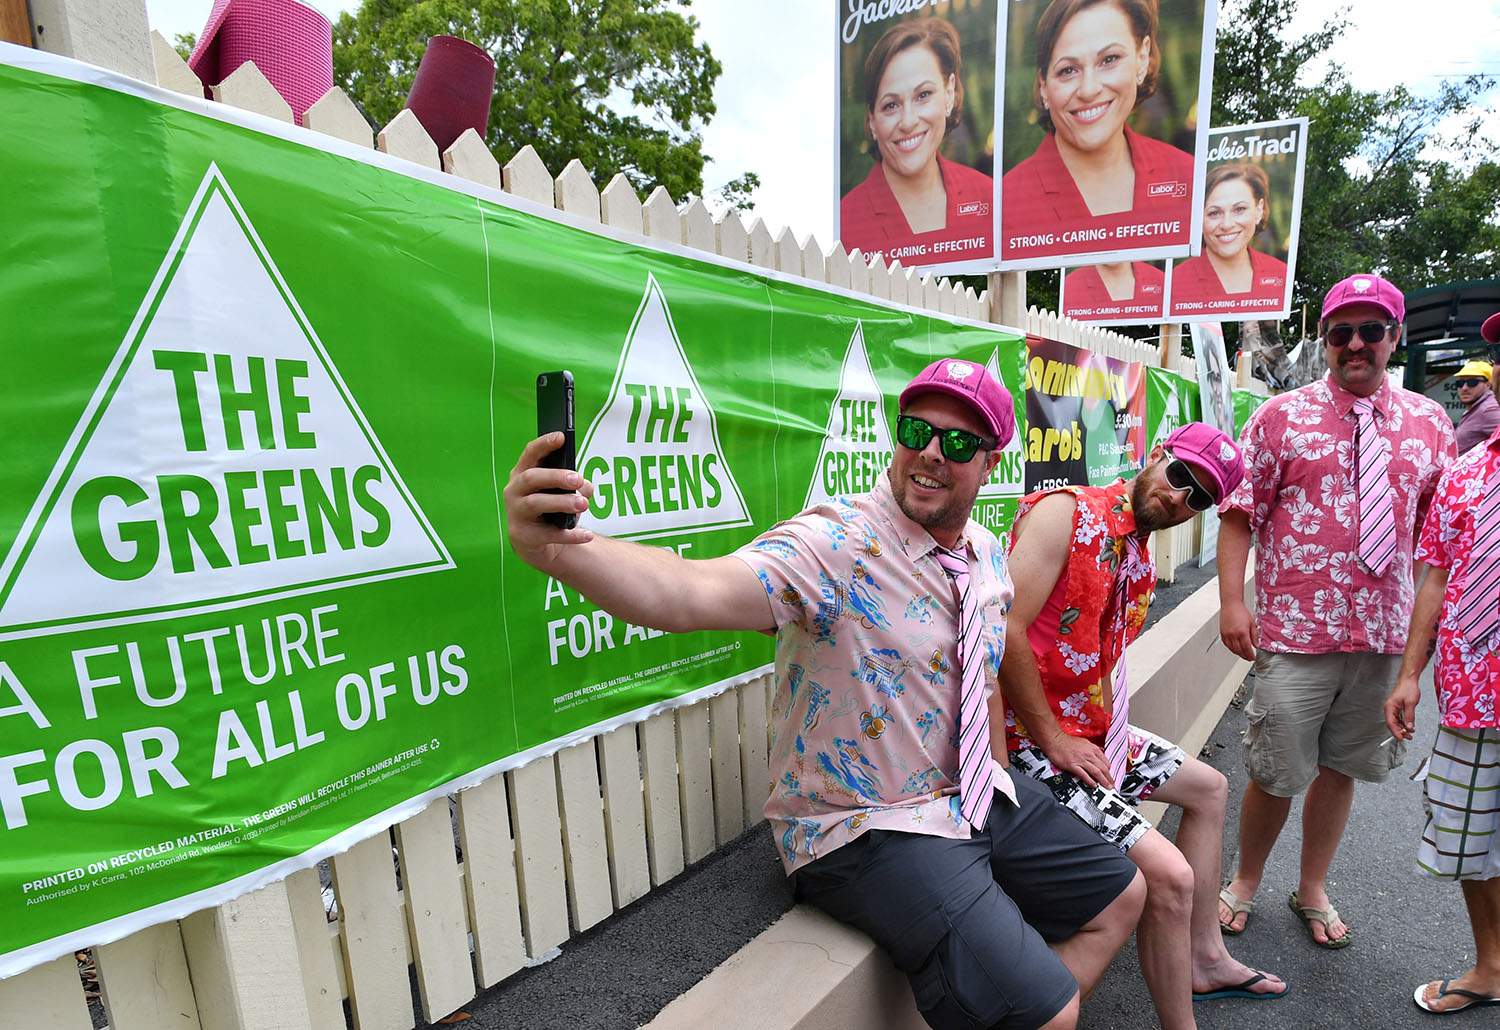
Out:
{"x": 1202, "y": 793}
{"x": 1324, "y": 816}
{"x": 1165, "y": 950}
{"x": 1067, "y": 1019}
{"x": 1089, "y": 951}
{"x": 1483, "y": 899}
{"x": 1262, "y": 816}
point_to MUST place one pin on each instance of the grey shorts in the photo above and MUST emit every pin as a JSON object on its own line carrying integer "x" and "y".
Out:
{"x": 1311, "y": 710}
{"x": 968, "y": 921}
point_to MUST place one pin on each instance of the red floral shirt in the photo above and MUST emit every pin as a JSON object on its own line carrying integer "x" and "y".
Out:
{"x": 1313, "y": 595}
{"x": 1467, "y": 677}
{"x": 1081, "y": 631}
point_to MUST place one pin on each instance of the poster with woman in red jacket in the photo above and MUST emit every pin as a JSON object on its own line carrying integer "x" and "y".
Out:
{"x": 1115, "y": 293}
{"x": 1252, "y": 205}
{"x": 916, "y": 135}
{"x": 1100, "y": 131}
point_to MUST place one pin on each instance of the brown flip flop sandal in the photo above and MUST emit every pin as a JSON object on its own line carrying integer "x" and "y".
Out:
{"x": 1326, "y": 916}
{"x": 1236, "y": 908}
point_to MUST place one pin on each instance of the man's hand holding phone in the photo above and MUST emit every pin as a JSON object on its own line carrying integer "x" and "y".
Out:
{"x": 527, "y": 499}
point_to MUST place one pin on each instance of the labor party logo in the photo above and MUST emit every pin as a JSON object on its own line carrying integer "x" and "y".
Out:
{"x": 857, "y": 442}
{"x": 653, "y": 450}
{"x": 220, "y": 462}
{"x": 1009, "y": 477}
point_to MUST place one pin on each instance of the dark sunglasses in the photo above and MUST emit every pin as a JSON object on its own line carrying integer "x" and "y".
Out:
{"x": 1370, "y": 333}
{"x": 1180, "y": 477}
{"x": 1471, "y": 382}
{"x": 958, "y": 445}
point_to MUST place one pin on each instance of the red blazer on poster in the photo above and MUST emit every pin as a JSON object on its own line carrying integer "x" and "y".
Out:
{"x": 1040, "y": 200}
{"x": 1194, "y": 282}
{"x": 871, "y": 219}
{"x": 1084, "y": 289}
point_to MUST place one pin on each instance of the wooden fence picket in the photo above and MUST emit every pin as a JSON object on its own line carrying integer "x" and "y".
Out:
{"x": 144, "y": 982}
{"x": 491, "y": 891}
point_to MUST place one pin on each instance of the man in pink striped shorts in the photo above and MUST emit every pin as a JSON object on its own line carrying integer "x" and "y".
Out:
{"x": 1460, "y": 602}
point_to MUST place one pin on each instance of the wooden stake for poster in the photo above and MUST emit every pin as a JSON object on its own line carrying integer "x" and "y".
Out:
{"x": 15, "y": 23}
{"x": 1007, "y": 297}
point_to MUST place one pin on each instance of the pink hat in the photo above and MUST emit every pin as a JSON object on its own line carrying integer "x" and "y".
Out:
{"x": 1366, "y": 288}
{"x": 452, "y": 90}
{"x": 1491, "y": 329}
{"x": 290, "y": 42}
{"x": 1211, "y": 451}
{"x": 973, "y": 385}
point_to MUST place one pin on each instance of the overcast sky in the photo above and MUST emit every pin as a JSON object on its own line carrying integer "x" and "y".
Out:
{"x": 775, "y": 111}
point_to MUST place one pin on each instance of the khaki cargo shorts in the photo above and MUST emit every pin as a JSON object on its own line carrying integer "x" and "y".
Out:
{"x": 1311, "y": 710}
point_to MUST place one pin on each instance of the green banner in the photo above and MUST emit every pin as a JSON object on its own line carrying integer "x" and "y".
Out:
{"x": 1245, "y": 404}
{"x": 263, "y": 389}
{"x": 1171, "y": 401}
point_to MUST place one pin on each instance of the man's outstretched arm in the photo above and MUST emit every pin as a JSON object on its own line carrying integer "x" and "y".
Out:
{"x": 647, "y": 586}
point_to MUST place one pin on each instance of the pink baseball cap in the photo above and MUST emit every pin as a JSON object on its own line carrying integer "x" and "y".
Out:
{"x": 973, "y": 385}
{"x": 1211, "y": 451}
{"x": 1366, "y": 288}
{"x": 1491, "y": 329}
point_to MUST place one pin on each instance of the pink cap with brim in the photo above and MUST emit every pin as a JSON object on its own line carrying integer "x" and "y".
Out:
{"x": 1212, "y": 452}
{"x": 1491, "y": 329}
{"x": 1366, "y": 288}
{"x": 973, "y": 385}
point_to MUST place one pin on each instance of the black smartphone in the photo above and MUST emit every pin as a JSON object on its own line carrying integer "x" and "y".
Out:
{"x": 554, "y": 413}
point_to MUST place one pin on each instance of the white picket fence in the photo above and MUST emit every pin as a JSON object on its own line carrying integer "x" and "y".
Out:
{"x": 504, "y": 873}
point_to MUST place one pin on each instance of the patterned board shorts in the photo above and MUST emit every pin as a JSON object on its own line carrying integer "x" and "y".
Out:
{"x": 1111, "y": 812}
{"x": 1460, "y": 840}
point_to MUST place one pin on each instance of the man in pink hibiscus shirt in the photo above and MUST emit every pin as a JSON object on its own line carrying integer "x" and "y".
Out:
{"x": 1338, "y": 476}
{"x": 1460, "y": 603}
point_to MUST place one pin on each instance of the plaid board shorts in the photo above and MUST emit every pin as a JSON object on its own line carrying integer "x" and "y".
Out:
{"x": 1110, "y": 812}
{"x": 1460, "y": 840}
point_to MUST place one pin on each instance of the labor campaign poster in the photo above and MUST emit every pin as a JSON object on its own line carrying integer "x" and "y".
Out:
{"x": 1118, "y": 293}
{"x": 914, "y": 160}
{"x": 1085, "y": 416}
{"x": 257, "y": 600}
{"x": 1102, "y": 129}
{"x": 1252, "y": 208}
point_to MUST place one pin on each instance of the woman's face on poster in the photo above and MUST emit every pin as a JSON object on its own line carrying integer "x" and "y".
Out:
{"x": 1230, "y": 216}
{"x": 1089, "y": 86}
{"x": 911, "y": 110}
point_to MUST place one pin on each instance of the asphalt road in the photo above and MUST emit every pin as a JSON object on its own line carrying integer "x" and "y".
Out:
{"x": 1408, "y": 928}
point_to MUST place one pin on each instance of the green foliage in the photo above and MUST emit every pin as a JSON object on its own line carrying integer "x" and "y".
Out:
{"x": 1395, "y": 183}
{"x": 566, "y": 70}
{"x": 184, "y": 42}
{"x": 738, "y": 194}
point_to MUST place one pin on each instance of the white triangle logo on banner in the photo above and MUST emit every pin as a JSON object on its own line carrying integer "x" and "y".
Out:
{"x": 857, "y": 441}
{"x": 221, "y": 461}
{"x": 653, "y": 450}
{"x": 1009, "y": 477}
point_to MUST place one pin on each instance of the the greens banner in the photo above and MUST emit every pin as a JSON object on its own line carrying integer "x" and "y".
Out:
{"x": 1171, "y": 401}
{"x": 262, "y": 388}
{"x": 1085, "y": 416}
{"x": 1245, "y": 404}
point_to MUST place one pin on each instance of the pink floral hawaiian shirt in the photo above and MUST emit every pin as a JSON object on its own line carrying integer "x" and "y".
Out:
{"x": 867, "y": 676}
{"x": 1313, "y": 596}
{"x": 1467, "y": 677}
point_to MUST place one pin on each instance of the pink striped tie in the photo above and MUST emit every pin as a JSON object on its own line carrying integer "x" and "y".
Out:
{"x": 1479, "y": 604}
{"x": 1117, "y": 740}
{"x": 976, "y": 788}
{"x": 1377, "y": 512}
